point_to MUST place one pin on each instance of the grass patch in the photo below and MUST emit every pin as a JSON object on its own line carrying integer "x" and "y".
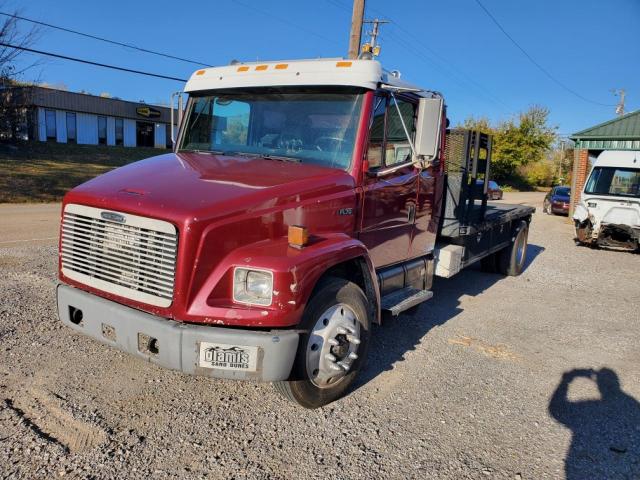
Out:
{"x": 44, "y": 172}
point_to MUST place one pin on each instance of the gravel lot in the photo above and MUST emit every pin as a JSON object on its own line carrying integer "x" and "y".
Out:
{"x": 487, "y": 380}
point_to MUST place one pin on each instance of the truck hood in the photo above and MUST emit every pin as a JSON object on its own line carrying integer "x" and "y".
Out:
{"x": 200, "y": 185}
{"x": 221, "y": 205}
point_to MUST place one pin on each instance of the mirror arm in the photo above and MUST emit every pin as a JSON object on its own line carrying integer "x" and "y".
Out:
{"x": 404, "y": 127}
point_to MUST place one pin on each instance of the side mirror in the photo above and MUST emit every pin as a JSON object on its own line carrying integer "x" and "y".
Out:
{"x": 428, "y": 129}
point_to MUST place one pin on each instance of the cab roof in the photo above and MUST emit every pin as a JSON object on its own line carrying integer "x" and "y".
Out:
{"x": 367, "y": 74}
{"x": 618, "y": 158}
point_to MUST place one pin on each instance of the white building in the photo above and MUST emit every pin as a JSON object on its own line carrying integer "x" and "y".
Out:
{"x": 69, "y": 117}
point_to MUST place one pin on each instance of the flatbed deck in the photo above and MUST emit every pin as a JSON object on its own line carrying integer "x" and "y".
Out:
{"x": 459, "y": 245}
{"x": 495, "y": 214}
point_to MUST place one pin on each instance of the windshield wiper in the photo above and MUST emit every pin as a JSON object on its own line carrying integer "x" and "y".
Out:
{"x": 211, "y": 152}
{"x": 284, "y": 158}
{"x": 266, "y": 156}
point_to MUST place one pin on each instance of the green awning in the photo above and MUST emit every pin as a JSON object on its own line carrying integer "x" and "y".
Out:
{"x": 622, "y": 133}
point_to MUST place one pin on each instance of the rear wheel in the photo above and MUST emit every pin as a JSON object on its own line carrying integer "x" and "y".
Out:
{"x": 333, "y": 350}
{"x": 511, "y": 259}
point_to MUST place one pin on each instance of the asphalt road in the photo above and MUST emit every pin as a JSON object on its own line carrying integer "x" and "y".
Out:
{"x": 28, "y": 224}
{"x": 525, "y": 378}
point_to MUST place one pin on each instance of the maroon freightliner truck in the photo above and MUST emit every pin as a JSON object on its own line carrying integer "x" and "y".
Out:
{"x": 304, "y": 202}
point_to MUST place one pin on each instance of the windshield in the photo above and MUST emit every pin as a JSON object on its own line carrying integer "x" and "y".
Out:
{"x": 563, "y": 192}
{"x": 622, "y": 182}
{"x": 306, "y": 125}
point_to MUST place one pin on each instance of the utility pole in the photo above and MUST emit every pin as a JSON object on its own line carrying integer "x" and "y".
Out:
{"x": 356, "y": 28}
{"x": 620, "y": 107}
{"x": 374, "y": 35}
{"x": 560, "y": 179}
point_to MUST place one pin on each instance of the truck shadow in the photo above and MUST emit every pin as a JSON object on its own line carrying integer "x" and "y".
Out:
{"x": 391, "y": 341}
{"x": 605, "y": 431}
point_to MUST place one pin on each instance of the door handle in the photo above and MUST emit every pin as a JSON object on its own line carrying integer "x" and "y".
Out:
{"x": 411, "y": 213}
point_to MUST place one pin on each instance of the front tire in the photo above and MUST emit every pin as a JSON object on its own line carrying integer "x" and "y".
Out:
{"x": 511, "y": 259}
{"x": 334, "y": 346}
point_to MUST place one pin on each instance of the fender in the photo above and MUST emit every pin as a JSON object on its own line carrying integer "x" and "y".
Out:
{"x": 295, "y": 274}
{"x": 581, "y": 213}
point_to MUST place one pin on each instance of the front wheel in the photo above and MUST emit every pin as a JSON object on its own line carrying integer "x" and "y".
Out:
{"x": 334, "y": 346}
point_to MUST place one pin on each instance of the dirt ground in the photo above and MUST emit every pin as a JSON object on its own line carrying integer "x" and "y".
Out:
{"x": 529, "y": 377}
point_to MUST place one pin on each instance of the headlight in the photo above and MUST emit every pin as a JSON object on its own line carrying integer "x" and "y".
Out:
{"x": 252, "y": 286}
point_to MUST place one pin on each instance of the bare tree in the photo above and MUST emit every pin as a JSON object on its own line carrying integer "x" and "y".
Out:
{"x": 14, "y": 99}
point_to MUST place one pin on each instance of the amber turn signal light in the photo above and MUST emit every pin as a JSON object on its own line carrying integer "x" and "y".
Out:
{"x": 298, "y": 236}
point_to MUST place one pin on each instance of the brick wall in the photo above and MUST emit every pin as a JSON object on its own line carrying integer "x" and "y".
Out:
{"x": 580, "y": 172}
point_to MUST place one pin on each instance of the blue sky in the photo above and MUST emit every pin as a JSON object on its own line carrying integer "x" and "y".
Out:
{"x": 450, "y": 46}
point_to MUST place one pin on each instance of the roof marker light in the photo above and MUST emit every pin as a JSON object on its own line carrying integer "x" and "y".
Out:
{"x": 262, "y": 67}
{"x": 200, "y": 72}
{"x": 242, "y": 69}
{"x": 282, "y": 66}
{"x": 343, "y": 64}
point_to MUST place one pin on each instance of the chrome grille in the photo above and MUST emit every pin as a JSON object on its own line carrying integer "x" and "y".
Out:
{"x": 135, "y": 259}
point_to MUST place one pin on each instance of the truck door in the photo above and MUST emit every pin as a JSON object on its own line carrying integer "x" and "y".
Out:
{"x": 429, "y": 204}
{"x": 391, "y": 184}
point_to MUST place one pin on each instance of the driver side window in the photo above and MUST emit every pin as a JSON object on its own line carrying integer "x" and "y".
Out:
{"x": 388, "y": 143}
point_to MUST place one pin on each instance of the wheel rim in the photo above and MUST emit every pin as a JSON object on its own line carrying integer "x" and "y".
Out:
{"x": 521, "y": 248}
{"x": 333, "y": 345}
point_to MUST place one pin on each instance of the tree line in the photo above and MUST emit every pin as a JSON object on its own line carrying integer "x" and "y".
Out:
{"x": 526, "y": 149}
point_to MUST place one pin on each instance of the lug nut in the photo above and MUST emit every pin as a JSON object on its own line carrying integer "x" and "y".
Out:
{"x": 341, "y": 331}
{"x": 333, "y": 342}
{"x": 334, "y": 366}
{"x": 353, "y": 356}
{"x": 344, "y": 366}
{"x": 330, "y": 357}
{"x": 354, "y": 340}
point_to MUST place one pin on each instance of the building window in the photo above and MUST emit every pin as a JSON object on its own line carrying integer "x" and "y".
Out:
{"x": 102, "y": 130}
{"x": 50, "y": 123}
{"x": 119, "y": 131}
{"x": 71, "y": 127}
{"x": 169, "y": 142}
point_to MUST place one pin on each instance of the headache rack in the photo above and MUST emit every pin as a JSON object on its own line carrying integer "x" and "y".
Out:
{"x": 467, "y": 162}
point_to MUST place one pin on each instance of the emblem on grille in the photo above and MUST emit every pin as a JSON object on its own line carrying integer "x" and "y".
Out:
{"x": 114, "y": 217}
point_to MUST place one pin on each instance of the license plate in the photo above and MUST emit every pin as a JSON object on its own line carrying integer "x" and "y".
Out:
{"x": 223, "y": 356}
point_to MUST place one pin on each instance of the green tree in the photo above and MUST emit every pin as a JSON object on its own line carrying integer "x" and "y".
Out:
{"x": 517, "y": 142}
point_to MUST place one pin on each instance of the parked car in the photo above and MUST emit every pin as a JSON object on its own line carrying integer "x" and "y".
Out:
{"x": 557, "y": 201}
{"x": 493, "y": 190}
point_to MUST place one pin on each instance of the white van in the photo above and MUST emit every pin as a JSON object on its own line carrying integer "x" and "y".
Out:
{"x": 608, "y": 214}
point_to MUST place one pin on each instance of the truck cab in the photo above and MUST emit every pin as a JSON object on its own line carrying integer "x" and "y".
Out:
{"x": 608, "y": 214}
{"x": 302, "y": 200}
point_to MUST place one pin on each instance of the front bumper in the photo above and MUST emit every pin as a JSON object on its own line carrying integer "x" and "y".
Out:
{"x": 172, "y": 344}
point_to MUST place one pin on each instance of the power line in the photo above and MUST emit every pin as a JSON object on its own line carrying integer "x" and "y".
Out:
{"x": 102, "y": 39}
{"x": 540, "y": 67}
{"x": 447, "y": 68}
{"x": 89, "y": 62}
{"x": 285, "y": 21}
